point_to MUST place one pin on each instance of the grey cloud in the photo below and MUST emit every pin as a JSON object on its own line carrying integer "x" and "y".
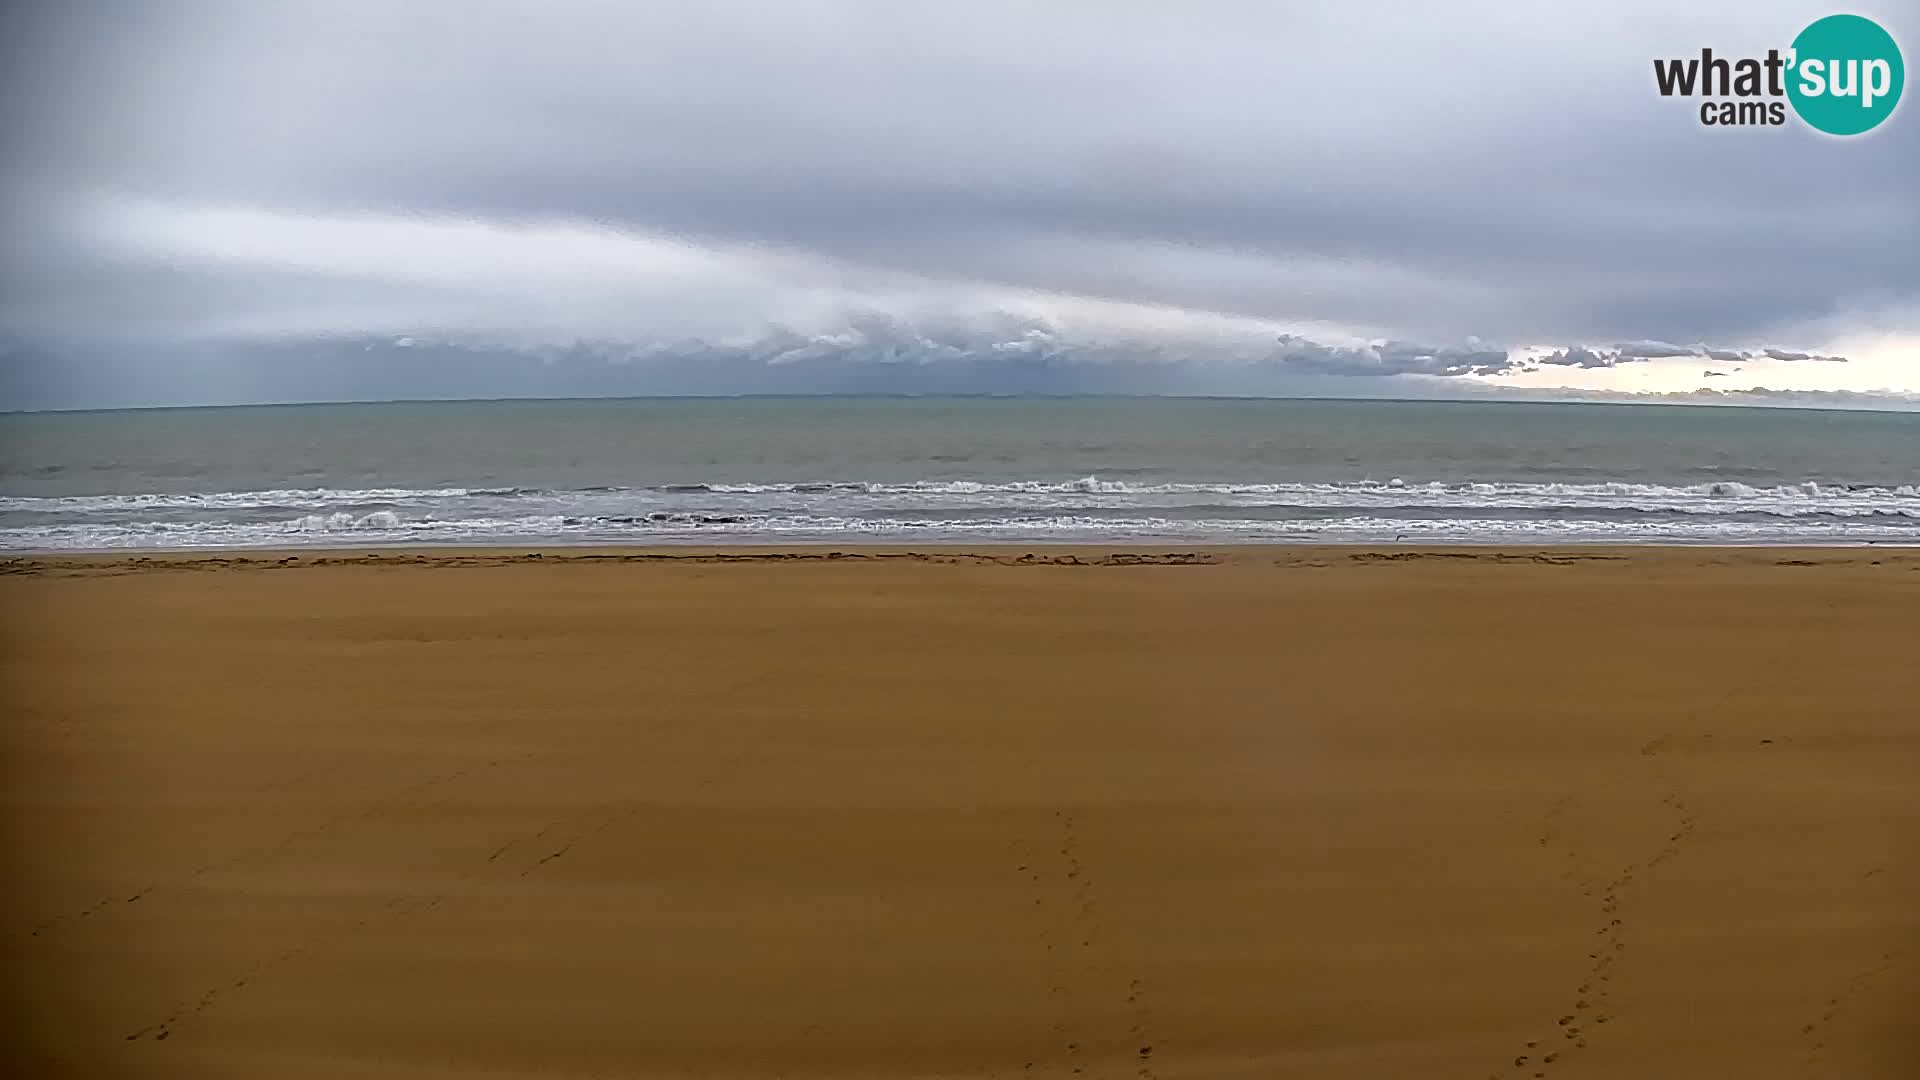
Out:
{"x": 1164, "y": 159}
{"x": 1010, "y": 341}
{"x": 1660, "y": 350}
{"x": 1008, "y": 360}
{"x": 1819, "y": 399}
{"x": 869, "y": 352}
{"x": 1642, "y": 352}
{"x": 1654, "y": 350}
{"x": 1881, "y": 400}
{"x": 341, "y": 369}
{"x": 1784, "y": 354}
{"x": 1392, "y": 358}
{"x": 872, "y": 353}
{"x": 1574, "y": 356}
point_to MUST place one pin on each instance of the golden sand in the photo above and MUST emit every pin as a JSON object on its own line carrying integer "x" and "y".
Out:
{"x": 1257, "y": 813}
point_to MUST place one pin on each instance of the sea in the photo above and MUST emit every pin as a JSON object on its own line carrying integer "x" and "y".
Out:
{"x": 954, "y": 471}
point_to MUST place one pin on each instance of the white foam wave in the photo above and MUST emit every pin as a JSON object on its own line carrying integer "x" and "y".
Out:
{"x": 341, "y": 521}
{"x": 1087, "y": 507}
{"x": 1094, "y": 485}
{"x": 1358, "y": 528}
{"x": 1805, "y": 499}
{"x": 1623, "y": 492}
{"x": 287, "y": 498}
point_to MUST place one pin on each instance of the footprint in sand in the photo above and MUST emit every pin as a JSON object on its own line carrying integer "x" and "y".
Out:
{"x": 1591, "y": 996}
{"x": 1816, "y": 1031}
{"x": 1080, "y": 976}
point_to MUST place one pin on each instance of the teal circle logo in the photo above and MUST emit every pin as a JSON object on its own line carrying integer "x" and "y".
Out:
{"x": 1846, "y": 75}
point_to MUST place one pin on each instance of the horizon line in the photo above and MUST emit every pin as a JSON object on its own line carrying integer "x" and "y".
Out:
{"x": 1895, "y": 403}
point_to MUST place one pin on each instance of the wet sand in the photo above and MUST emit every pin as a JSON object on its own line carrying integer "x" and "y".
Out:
{"x": 1244, "y": 814}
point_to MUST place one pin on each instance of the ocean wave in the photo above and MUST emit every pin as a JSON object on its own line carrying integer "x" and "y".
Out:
{"x": 1090, "y": 507}
{"x": 1808, "y": 498}
{"x": 341, "y": 521}
{"x": 287, "y": 498}
{"x": 389, "y": 529}
{"x": 326, "y": 498}
{"x": 1094, "y": 485}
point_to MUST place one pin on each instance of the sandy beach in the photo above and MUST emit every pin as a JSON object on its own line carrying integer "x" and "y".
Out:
{"x": 1250, "y": 813}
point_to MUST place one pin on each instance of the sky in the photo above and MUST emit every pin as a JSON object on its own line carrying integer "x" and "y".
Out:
{"x": 225, "y": 202}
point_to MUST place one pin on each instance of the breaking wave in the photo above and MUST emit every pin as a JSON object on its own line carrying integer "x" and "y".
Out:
{"x": 340, "y": 521}
{"x": 290, "y": 498}
{"x": 1083, "y": 509}
{"x": 298, "y": 498}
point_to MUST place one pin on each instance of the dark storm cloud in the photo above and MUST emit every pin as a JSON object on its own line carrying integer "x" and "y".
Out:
{"x": 1483, "y": 173}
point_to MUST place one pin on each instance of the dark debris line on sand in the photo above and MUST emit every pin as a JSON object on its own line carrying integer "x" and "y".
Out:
{"x": 106, "y": 566}
{"x": 146, "y": 564}
{"x": 1481, "y": 556}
